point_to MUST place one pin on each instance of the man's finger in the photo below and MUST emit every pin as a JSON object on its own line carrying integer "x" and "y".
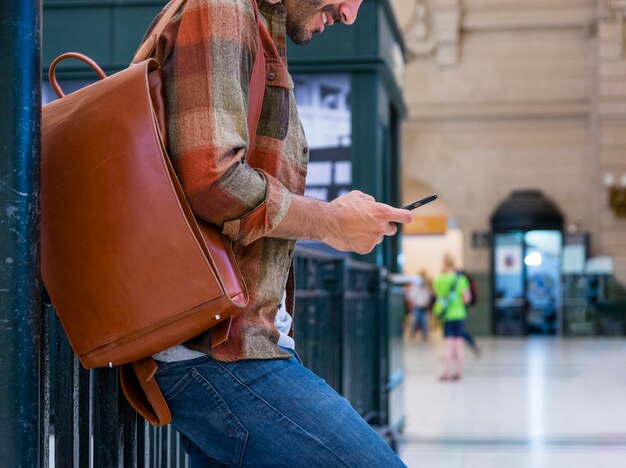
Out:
{"x": 398, "y": 215}
{"x": 391, "y": 230}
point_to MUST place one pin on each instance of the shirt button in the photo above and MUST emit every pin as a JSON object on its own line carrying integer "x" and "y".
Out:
{"x": 271, "y": 76}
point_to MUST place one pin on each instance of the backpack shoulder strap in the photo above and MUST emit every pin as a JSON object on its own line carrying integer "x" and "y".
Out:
{"x": 256, "y": 90}
{"x": 137, "y": 379}
{"x": 453, "y": 285}
{"x": 147, "y": 47}
{"x": 142, "y": 391}
{"x": 257, "y": 80}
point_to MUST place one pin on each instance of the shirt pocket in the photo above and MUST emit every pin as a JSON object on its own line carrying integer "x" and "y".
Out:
{"x": 274, "y": 119}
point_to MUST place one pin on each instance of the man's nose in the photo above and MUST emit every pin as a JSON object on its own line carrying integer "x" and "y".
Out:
{"x": 349, "y": 10}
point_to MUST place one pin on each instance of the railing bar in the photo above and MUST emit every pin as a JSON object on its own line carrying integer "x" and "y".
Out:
{"x": 171, "y": 442}
{"x": 176, "y": 450}
{"x": 150, "y": 443}
{"x": 358, "y": 295}
{"x": 173, "y": 448}
{"x": 181, "y": 452}
{"x": 107, "y": 437}
{"x": 307, "y": 293}
{"x": 157, "y": 446}
{"x": 45, "y": 386}
{"x": 92, "y": 414}
{"x": 128, "y": 427}
{"x": 142, "y": 453}
{"x": 161, "y": 448}
{"x": 167, "y": 461}
{"x": 84, "y": 418}
{"x": 156, "y": 449}
{"x": 64, "y": 451}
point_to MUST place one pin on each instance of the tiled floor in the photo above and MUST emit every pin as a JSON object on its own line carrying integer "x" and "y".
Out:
{"x": 526, "y": 403}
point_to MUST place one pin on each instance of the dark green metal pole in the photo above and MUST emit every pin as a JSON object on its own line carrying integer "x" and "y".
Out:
{"x": 20, "y": 287}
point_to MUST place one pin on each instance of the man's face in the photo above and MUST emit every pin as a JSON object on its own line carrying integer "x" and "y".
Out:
{"x": 305, "y": 18}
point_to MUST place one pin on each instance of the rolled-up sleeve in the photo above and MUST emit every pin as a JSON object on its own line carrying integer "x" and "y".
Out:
{"x": 264, "y": 217}
{"x": 206, "y": 74}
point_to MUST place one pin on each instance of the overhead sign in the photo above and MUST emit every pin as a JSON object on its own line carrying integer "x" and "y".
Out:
{"x": 427, "y": 224}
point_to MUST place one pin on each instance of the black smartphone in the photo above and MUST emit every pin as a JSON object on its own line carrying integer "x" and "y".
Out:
{"x": 421, "y": 202}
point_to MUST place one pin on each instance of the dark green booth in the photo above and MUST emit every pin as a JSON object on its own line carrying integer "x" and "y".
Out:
{"x": 371, "y": 54}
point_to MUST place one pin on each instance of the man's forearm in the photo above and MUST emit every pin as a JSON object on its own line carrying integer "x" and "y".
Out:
{"x": 353, "y": 222}
{"x": 306, "y": 219}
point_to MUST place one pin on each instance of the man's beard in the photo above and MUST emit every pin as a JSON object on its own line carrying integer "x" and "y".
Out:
{"x": 299, "y": 15}
{"x": 299, "y": 33}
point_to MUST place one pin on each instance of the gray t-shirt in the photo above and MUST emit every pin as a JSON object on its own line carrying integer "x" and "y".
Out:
{"x": 282, "y": 322}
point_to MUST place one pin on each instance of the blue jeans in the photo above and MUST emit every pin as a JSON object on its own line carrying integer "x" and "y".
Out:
{"x": 420, "y": 320}
{"x": 266, "y": 413}
{"x": 454, "y": 328}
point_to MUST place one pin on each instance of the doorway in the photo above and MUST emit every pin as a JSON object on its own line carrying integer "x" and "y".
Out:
{"x": 527, "y": 254}
{"x": 542, "y": 260}
{"x": 527, "y": 282}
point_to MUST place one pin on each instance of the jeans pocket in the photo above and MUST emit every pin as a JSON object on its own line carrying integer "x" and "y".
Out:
{"x": 202, "y": 415}
{"x": 173, "y": 384}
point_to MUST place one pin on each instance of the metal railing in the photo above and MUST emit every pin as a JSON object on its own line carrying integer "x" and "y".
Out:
{"x": 345, "y": 316}
{"x": 86, "y": 420}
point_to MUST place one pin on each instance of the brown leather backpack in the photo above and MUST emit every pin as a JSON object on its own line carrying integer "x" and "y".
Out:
{"x": 129, "y": 269}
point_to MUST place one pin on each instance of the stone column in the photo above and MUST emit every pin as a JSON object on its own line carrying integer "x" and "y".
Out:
{"x": 610, "y": 124}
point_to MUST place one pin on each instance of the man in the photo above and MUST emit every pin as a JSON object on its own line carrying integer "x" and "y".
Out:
{"x": 453, "y": 292}
{"x": 248, "y": 401}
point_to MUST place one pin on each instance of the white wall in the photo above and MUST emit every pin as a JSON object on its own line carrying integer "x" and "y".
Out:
{"x": 425, "y": 252}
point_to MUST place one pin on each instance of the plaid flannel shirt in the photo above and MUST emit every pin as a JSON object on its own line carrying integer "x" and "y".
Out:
{"x": 207, "y": 52}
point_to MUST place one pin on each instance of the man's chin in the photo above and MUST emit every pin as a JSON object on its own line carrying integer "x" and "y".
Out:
{"x": 302, "y": 37}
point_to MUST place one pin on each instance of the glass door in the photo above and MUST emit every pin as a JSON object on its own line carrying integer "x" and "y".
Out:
{"x": 527, "y": 283}
{"x": 509, "y": 288}
{"x": 542, "y": 261}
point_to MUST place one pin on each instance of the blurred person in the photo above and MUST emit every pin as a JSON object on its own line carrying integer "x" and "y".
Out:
{"x": 471, "y": 342}
{"x": 419, "y": 296}
{"x": 467, "y": 337}
{"x": 249, "y": 401}
{"x": 452, "y": 292}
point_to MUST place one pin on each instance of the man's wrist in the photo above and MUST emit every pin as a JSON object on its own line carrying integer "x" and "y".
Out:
{"x": 327, "y": 225}
{"x": 306, "y": 219}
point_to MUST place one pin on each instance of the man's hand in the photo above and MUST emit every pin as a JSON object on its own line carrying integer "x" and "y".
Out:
{"x": 353, "y": 222}
{"x": 358, "y": 223}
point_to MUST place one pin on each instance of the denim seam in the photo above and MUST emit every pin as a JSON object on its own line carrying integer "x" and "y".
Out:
{"x": 163, "y": 366}
{"x": 178, "y": 386}
{"x": 283, "y": 415}
{"x": 241, "y": 445}
{"x": 166, "y": 365}
{"x": 298, "y": 358}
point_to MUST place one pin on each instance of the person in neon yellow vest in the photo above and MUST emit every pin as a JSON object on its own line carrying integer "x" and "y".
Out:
{"x": 452, "y": 290}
